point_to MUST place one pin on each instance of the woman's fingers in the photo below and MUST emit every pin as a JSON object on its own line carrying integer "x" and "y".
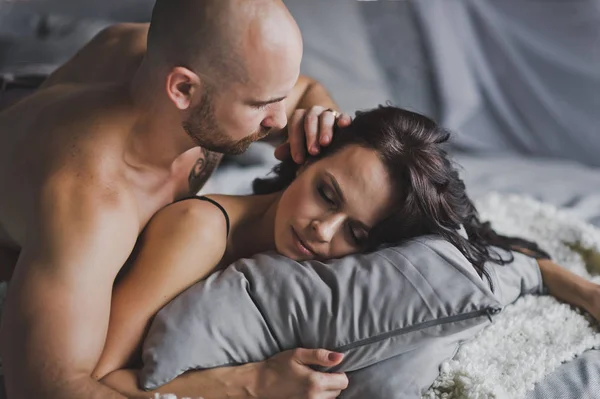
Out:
{"x": 317, "y": 357}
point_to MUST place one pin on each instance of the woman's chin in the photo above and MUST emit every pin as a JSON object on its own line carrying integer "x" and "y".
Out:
{"x": 292, "y": 255}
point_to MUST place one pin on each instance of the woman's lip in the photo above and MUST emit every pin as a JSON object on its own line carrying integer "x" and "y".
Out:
{"x": 304, "y": 250}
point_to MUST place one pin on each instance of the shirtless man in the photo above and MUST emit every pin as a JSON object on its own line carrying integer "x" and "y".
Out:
{"x": 96, "y": 161}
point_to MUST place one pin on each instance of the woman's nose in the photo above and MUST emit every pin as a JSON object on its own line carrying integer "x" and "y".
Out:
{"x": 326, "y": 228}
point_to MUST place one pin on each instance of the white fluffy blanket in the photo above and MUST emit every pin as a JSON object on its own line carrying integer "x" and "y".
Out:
{"x": 533, "y": 336}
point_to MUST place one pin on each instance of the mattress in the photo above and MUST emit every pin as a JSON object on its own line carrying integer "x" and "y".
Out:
{"x": 565, "y": 184}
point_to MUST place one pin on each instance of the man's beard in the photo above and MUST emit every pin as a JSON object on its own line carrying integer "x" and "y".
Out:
{"x": 202, "y": 127}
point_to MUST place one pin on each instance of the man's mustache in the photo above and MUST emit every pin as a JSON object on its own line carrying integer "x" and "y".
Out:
{"x": 263, "y": 132}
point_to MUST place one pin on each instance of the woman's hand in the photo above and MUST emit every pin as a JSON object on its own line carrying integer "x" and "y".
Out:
{"x": 288, "y": 375}
{"x": 308, "y": 130}
{"x": 570, "y": 288}
{"x": 594, "y": 301}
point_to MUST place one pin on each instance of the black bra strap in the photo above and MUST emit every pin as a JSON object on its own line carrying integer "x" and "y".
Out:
{"x": 215, "y": 203}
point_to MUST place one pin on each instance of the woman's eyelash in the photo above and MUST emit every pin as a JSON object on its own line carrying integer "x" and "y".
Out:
{"x": 357, "y": 241}
{"x": 261, "y": 107}
{"x": 327, "y": 199}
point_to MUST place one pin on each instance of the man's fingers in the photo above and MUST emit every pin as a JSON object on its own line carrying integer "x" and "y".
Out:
{"x": 317, "y": 357}
{"x": 282, "y": 152}
{"x": 326, "y": 133}
{"x": 326, "y": 122}
{"x": 344, "y": 120}
{"x": 311, "y": 129}
{"x": 296, "y": 136}
{"x": 308, "y": 130}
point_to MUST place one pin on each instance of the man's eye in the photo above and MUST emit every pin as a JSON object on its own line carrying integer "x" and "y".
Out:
{"x": 324, "y": 195}
{"x": 261, "y": 107}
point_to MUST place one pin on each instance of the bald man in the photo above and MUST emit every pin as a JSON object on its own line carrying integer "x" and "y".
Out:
{"x": 85, "y": 164}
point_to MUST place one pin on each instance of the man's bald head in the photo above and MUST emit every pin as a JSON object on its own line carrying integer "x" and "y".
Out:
{"x": 217, "y": 38}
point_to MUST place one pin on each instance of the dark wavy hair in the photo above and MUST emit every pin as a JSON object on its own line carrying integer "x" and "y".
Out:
{"x": 432, "y": 196}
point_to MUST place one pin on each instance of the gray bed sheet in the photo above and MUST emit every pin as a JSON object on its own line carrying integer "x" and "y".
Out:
{"x": 577, "y": 379}
{"x": 563, "y": 183}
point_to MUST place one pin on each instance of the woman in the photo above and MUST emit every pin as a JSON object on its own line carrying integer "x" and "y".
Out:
{"x": 383, "y": 179}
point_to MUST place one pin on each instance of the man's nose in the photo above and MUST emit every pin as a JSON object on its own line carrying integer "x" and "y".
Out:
{"x": 277, "y": 118}
{"x": 326, "y": 228}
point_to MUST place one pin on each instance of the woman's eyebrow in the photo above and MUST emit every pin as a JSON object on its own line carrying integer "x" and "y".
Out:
{"x": 340, "y": 194}
{"x": 336, "y": 187}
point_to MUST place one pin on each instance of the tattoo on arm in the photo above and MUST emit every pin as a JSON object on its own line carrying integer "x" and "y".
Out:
{"x": 202, "y": 169}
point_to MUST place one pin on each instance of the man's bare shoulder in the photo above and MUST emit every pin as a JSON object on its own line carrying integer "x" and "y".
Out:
{"x": 87, "y": 130}
{"x": 63, "y": 132}
{"x": 63, "y": 104}
{"x": 89, "y": 190}
{"x": 95, "y": 62}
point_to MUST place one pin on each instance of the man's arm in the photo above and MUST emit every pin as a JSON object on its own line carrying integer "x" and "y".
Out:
{"x": 56, "y": 314}
{"x": 306, "y": 94}
{"x": 310, "y": 125}
{"x": 181, "y": 245}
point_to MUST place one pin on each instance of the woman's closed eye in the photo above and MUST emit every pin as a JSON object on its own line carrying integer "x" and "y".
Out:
{"x": 326, "y": 195}
{"x": 357, "y": 237}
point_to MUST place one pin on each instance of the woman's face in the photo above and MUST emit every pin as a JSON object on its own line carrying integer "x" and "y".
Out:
{"x": 329, "y": 209}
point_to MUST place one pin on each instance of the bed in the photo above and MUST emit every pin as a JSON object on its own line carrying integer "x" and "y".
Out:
{"x": 524, "y": 112}
{"x": 519, "y": 138}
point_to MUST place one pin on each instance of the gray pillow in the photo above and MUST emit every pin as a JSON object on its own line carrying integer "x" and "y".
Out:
{"x": 371, "y": 306}
{"x": 410, "y": 374}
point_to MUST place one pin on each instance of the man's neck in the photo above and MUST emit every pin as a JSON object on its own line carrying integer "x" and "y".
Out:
{"x": 157, "y": 137}
{"x": 156, "y": 143}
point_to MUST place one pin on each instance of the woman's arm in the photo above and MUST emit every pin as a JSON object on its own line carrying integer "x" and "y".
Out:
{"x": 181, "y": 245}
{"x": 570, "y": 288}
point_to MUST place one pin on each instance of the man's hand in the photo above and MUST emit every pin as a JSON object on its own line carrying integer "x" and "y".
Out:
{"x": 309, "y": 130}
{"x": 288, "y": 375}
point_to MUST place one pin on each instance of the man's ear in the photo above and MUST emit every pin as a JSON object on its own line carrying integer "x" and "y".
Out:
{"x": 181, "y": 85}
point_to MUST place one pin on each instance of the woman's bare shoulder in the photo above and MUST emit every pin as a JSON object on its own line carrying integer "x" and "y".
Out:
{"x": 198, "y": 217}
